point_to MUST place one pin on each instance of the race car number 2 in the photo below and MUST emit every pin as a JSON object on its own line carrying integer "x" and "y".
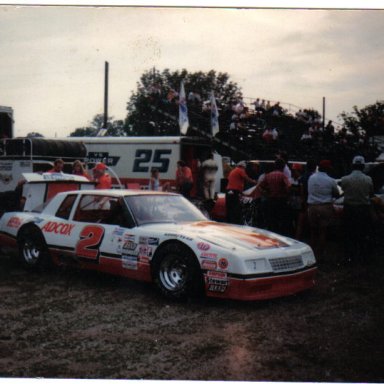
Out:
{"x": 91, "y": 237}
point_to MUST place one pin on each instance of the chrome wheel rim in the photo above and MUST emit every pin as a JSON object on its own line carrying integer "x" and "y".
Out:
{"x": 31, "y": 253}
{"x": 173, "y": 274}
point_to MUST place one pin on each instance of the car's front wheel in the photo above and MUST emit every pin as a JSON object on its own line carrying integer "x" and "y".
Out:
{"x": 177, "y": 272}
{"x": 33, "y": 252}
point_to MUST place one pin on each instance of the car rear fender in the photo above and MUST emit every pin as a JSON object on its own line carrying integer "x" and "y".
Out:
{"x": 29, "y": 225}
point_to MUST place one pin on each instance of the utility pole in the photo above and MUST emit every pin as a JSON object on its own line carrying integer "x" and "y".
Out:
{"x": 106, "y": 95}
{"x": 323, "y": 113}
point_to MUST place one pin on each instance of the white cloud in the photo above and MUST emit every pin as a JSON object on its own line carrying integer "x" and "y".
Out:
{"x": 53, "y": 70}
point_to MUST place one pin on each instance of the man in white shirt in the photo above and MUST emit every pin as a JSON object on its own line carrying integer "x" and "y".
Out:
{"x": 322, "y": 190}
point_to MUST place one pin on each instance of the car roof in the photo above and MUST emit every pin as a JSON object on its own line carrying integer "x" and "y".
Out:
{"x": 119, "y": 192}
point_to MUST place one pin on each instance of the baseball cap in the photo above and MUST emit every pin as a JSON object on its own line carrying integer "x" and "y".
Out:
{"x": 241, "y": 164}
{"x": 100, "y": 167}
{"x": 358, "y": 160}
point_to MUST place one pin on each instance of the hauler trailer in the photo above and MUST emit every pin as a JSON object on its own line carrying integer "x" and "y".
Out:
{"x": 26, "y": 155}
{"x": 129, "y": 159}
{"x": 6, "y": 122}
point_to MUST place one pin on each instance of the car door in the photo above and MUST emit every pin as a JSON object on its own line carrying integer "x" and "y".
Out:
{"x": 86, "y": 227}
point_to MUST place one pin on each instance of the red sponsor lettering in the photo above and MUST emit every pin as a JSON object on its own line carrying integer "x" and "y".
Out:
{"x": 209, "y": 255}
{"x": 14, "y": 222}
{"x": 208, "y": 264}
{"x": 58, "y": 228}
{"x": 203, "y": 246}
{"x": 217, "y": 274}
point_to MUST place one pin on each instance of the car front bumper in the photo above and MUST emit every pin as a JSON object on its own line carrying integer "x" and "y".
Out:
{"x": 261, "y": 288}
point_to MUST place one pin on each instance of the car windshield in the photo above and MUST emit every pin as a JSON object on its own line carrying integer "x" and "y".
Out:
{"x": 162, "y": 209}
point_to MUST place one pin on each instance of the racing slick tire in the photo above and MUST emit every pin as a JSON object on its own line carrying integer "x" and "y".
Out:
{"x": 33, "y": 251}
{"x": 177, "y": 273}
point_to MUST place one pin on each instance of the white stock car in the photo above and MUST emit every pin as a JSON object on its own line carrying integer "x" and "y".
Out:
{"x": 160, "y": 237}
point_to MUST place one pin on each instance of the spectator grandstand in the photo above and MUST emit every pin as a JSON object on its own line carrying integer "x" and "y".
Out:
{"x": 243, "y": 121}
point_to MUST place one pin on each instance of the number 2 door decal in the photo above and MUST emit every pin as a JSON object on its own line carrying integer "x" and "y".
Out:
{"x": 88, "y": 246}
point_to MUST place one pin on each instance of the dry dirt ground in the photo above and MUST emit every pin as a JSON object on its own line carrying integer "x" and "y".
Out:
{"x": 76, "y": 324}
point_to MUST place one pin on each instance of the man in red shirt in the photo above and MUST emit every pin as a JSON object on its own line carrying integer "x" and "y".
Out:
{"x": 184, "y": 179}
{"x": 275, "y": 188}
{"x": 236, "y": 179}
{"x": 58, "y": 166}
{"x": 102, "y": 178}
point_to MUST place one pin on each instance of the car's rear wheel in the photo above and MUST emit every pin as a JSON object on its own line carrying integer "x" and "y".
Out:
{"x": 33, "y": 251}
{"x": 177, "y": 272}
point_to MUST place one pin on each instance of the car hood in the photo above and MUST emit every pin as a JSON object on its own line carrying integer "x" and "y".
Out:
{"x": 226, "y": 235}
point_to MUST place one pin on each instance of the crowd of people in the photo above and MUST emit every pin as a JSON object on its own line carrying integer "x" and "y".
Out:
{"x": 99, "y": 172}
{"x": 258, "y": 128}
{"x": 300, "y": 201}
{"x": 294, "y": 199}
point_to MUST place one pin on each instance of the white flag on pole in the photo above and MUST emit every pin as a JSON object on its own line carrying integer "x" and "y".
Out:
{"x": 183, "y": 111}
{"x": 214, "y": 116}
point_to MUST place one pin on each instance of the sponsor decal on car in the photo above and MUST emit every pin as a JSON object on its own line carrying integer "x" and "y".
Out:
{"x": 145, "y": 250}
{"x": 177, "y": 236}
{"x": 209, "y": 255}
{"x": 183, "y": 237}
{"x": 129, "y": 261}
{"x": 217, "y": 281}
{"x": 203, "y": 246}
{"x": 148, "y": 240}
{"x": 129, "y": 245}
{"x": 14, "y": 222}
{"x": 58, "y": 228}
{"x": 223, "y": 263}
{"x": 209, "y": 264}
{"x": 144, "y": 259}
{"x": 118, "y": 232}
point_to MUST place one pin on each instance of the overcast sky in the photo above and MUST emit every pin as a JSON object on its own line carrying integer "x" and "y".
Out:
{"x": 52, "y": 64}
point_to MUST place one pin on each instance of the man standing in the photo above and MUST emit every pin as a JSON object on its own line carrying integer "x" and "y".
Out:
{"x": 209, "y": 168}
{"x": 184, "y": 179}
{"x": 58, "y": 166}
{"x": 358, "y": 190}
{"x": 102, "y": 178}
{"x": 275, "y": 188}
{"x": 236, "y": 179}
{"x": 322, "y": 189}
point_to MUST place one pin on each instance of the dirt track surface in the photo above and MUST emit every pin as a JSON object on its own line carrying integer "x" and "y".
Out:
{"x": 77, "y": 324}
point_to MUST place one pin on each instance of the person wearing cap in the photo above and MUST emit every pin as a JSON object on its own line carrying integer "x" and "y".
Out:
{"x": 322, "y": 190}
{"x": 102, "y": 178}
{"x": 236, "y": 180}
{"x": 358, "y": 191}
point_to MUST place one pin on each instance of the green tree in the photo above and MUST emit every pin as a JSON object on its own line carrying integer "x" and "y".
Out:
{"x": 114, "y": 127}
{"x": 34, "y": 134}
{"x": 153, "y": 109}
{"x": 369, "y": 119}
